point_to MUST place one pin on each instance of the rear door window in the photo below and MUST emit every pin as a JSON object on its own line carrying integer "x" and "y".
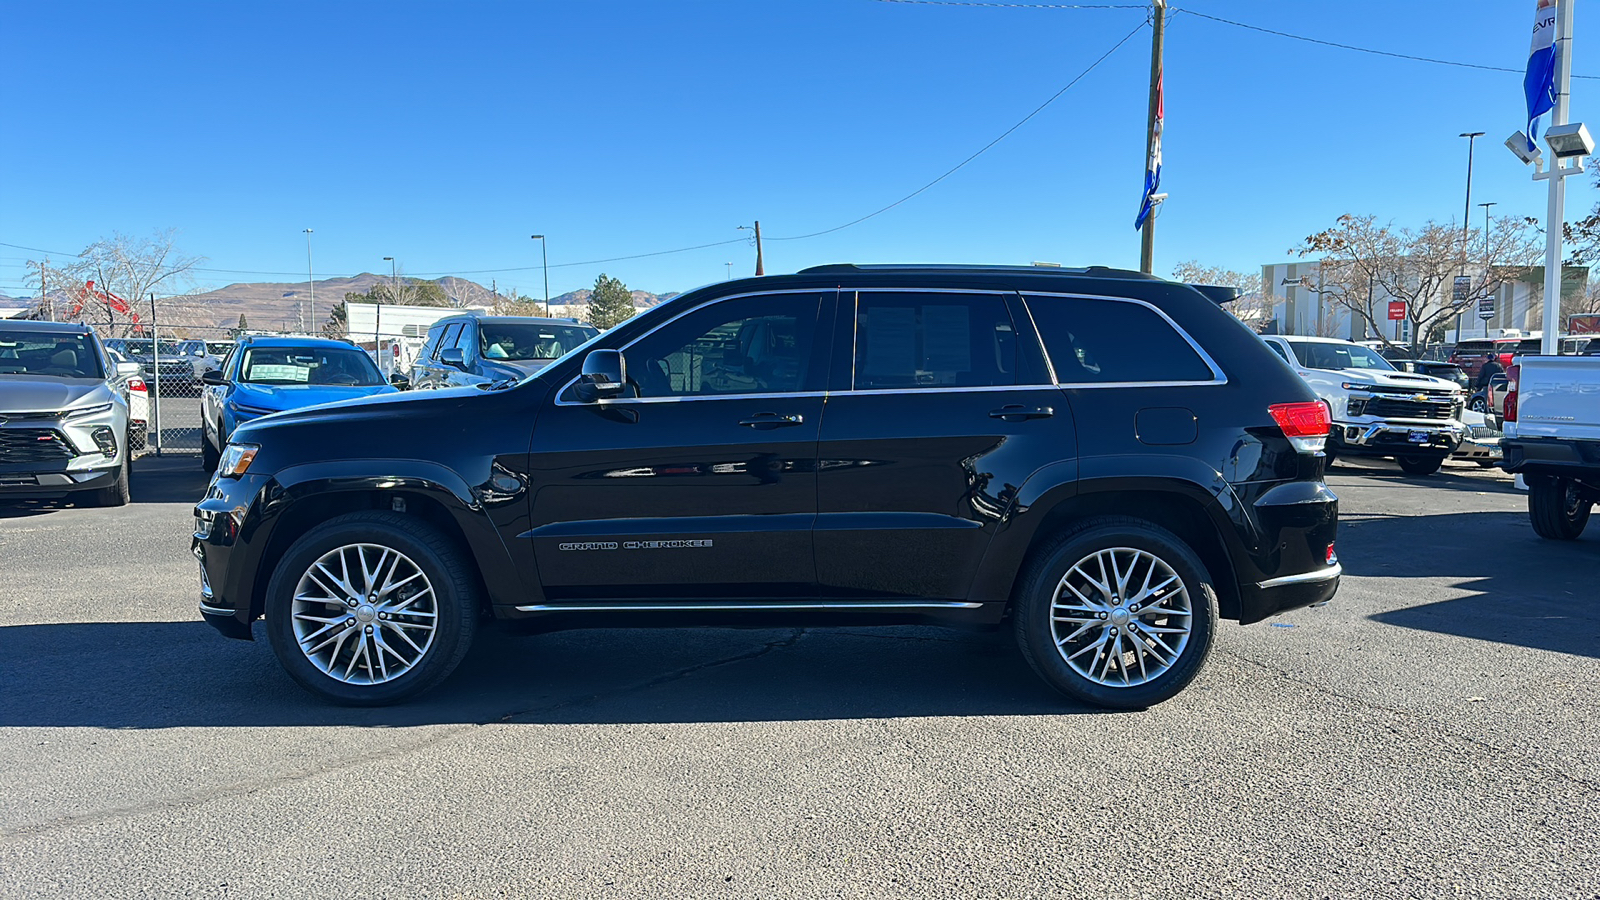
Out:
{"x": 907, "y": 340}
{"x": 1101, "y": 341}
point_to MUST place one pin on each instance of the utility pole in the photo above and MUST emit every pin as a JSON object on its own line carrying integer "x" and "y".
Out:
{"x": 760, "y": 267}
{"x": 544, "y": 257}
{"x": 1551, "y": 344}
{"x": 1147, "y": 237}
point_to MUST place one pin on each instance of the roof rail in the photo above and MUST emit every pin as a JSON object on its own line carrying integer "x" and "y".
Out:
{"x": 1100, "y": 271}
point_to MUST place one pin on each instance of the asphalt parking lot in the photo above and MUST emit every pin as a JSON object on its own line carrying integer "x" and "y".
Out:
{"x": 1432, "y": 733}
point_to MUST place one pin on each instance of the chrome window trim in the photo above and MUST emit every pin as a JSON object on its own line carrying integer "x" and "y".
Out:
{"x": 1219, "y": 377}
{"x": 693, "y": 309}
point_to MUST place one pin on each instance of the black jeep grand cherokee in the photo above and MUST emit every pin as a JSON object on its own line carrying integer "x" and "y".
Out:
{"x": 1109, "y": 461}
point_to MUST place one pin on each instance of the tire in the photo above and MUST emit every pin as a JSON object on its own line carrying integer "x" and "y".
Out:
{"x": 1478, "y": 404}
{"x": 353, "y": 670}
{"x": 1420, "y": 466}
{"x": 1065, "y": 567}
{"x": 210, "y": 456}
{"x": 117, "y": 494}
{"x": 1487, "y": 464}
{"x": 1557, "y": 509}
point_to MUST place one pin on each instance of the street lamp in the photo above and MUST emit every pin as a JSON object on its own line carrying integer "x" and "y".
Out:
{"x": 544, "y": 256}
{"x": 377, "y": 312}
{"x": 730, "y": 270}
{"x": 394, "y": 278}
{"x": 311, "y": 285}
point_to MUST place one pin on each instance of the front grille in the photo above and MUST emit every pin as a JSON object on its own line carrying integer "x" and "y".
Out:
{"x": 1410, "y": 409}
{"x": 34, "y": 445}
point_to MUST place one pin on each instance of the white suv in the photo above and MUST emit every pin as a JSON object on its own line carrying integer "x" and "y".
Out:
{"x": 1377, "y": 410}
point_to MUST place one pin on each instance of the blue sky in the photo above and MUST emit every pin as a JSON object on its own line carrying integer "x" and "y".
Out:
{"x": 444, "y": 134}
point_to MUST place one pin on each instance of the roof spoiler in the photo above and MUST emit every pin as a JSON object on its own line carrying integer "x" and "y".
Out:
{"x": 1220, "y": 294}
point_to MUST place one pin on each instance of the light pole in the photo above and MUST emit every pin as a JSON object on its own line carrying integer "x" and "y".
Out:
{"x": 730, "y": 270}
{"x": 544, "y": 256}
{"x": 1466, "y": 215}
{"x": 377, "y": 312}
{"x": 311, "y": 285}
{"x": 1488, "y": 261}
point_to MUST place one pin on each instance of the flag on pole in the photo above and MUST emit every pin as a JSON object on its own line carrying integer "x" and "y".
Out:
{"x": 1539, "y": 84}
{"x": 1152, "y": 172}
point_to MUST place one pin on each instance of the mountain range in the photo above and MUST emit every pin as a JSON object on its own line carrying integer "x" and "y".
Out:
{"x": 279, "y": 305}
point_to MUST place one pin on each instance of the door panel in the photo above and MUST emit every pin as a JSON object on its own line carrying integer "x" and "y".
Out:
{"x": 921, "y": 460}
{"x": 701, "y": 481}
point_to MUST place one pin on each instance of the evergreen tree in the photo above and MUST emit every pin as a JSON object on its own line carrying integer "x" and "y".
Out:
{"x": 610, "y": 303}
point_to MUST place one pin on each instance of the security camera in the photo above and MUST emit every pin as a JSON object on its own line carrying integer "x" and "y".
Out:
{"x": 1519, "y": 144}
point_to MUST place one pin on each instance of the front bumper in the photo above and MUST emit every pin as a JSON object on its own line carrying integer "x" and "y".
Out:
{"x": 1397, "y": 438}
{"x": 27, "y": 483}
{"x": 222, "y": 543}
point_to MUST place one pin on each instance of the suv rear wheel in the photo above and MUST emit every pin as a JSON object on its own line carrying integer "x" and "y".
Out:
{"x": 1419, "y": 466}
{"x": 1120, "y": 613}
{"x": 371, "y": 608}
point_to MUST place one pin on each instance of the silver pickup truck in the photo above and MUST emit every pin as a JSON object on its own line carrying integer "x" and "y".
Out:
{"x": 1552, "y": 439}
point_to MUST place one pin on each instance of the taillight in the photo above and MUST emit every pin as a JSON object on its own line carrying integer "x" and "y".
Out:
{"x": 1305, "y": 424}
{"x": 137, "y": 385}
{"x": 1513, "y": 375}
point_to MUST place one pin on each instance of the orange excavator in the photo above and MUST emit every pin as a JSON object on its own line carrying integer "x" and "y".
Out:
{"x": 107, "y": 299}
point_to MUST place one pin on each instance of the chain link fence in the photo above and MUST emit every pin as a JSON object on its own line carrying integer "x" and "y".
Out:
{"x": 167, "y": 408}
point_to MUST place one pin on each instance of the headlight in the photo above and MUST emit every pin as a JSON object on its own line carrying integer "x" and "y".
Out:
{"x": 88, "y": 411}
{"x": 236, "y": 459}
{"x": 1352, "y": 386}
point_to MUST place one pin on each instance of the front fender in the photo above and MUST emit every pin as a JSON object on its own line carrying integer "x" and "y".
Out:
{"x": 322, "y": 483}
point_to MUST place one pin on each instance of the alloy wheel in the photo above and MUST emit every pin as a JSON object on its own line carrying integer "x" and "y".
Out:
{"x": 364, "y": 614}
{"x": 1121, "y": 617}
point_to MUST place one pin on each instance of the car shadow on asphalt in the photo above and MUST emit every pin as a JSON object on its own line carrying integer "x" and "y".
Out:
{"x": 141, "y": 675}
{"x": 1526, "y": 591}
{"x": 171, "y": 478}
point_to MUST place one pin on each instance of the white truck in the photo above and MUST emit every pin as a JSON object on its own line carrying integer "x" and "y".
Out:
{"x": 1377, "y": 411}
{"x": 1552, "y": 439}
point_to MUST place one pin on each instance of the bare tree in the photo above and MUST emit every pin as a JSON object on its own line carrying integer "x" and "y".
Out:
{"x": 129, "y": 268}
{"x": 1254, "y": 306}
{"x": 1365, "y": 266}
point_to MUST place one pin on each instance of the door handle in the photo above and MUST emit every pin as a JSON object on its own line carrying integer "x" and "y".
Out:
{"x": 771, "y": 420}
{"x": 1019, "y": 412}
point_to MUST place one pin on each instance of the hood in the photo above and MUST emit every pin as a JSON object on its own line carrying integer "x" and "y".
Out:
{"x": 402, "y": 411}
{"x": 41, "y": 393}
{"x": 298, "y": 396}
{"x": 1400, "y": 381}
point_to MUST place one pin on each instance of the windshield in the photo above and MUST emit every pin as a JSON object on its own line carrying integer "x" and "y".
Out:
{"x": 513, "y": 341}
{"x": 309, "y": 365}
{"x": 43, "y": 353}
{"x": 219, "y": 348}
{"x": 1338, "y": 356}
{"x": 144, "y": 347}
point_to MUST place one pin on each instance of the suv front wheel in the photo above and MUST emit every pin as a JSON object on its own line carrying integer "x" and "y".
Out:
{"x": 371, "y": 608}
{"x": 1119, "y": 613}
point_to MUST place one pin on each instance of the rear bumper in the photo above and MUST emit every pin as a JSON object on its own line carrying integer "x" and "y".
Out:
{"x": 1551, "y": 456}
{"x": 1277, "y": 595}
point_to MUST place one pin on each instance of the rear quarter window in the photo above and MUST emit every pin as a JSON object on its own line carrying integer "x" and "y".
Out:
{"x": 1094, "y": 341}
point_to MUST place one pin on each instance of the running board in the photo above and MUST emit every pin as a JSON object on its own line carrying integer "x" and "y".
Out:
{"x": 857, "y": 606}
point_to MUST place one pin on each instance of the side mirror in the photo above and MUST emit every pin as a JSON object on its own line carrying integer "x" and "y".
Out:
{"x": 400, "y": 381}
{"x": 453, "y": 357}
{"x": 604, "y": 375}
{"x": 126, "y": 369}
{"x": 212, "y": 377}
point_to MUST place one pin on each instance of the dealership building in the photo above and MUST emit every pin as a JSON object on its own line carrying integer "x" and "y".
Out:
{"x": 1298, "y": 306}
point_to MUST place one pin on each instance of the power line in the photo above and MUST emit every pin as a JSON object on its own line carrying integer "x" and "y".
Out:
{"x": 1142, "y": 7}
{"x": 1351, "y": 47}
{"x": 984, "y": 149}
